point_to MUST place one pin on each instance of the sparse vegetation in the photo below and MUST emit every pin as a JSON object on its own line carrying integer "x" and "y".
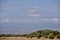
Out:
{"x": 40, "y": 33}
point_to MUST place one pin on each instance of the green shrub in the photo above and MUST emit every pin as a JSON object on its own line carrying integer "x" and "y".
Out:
{"x": 38, "y": 35}
{"x": 51, "y": 36}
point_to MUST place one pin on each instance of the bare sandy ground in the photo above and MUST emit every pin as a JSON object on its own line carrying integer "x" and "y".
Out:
{"x": 24, "y": 38}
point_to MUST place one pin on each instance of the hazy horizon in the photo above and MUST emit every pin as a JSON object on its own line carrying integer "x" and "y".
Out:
{"x": 26, "y": 16}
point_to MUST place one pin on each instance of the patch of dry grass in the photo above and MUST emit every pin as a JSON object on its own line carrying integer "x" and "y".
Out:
{"x": 25, "y": 38}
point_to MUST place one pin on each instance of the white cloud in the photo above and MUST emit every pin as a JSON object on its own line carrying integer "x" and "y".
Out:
{"x": 31, "y": 20}
{"x": 32, "y": 11}
{"x": 51, "y": 19}
{"x": 56, "y": 19}
{"x": 34, "y": 16}
{"x": 4, "y": 20}
{"x": 53, "y": 10}
{"x": 43, "y": 9}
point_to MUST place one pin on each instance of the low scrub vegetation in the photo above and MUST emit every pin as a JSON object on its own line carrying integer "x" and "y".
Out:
{"x": 40, "y": 33}
{"x": 51, "y": 36}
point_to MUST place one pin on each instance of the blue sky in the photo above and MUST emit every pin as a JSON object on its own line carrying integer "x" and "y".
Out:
{"x": 24, "y": 16}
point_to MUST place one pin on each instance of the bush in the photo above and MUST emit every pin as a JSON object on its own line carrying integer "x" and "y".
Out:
{"x": 58, "y": 36}
{"x": 31, "y": 36}
{"x": 51, "y": 36}
{"x": 27, "y": 36}
{"x": 38, "y": 35}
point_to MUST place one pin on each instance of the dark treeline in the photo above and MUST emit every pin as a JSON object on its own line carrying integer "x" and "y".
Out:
{"x": 12, "y": 35}
{"x": 40, "y": 33}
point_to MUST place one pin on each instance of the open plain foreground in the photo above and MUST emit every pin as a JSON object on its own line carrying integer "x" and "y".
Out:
{"x": 25, "y": 38}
